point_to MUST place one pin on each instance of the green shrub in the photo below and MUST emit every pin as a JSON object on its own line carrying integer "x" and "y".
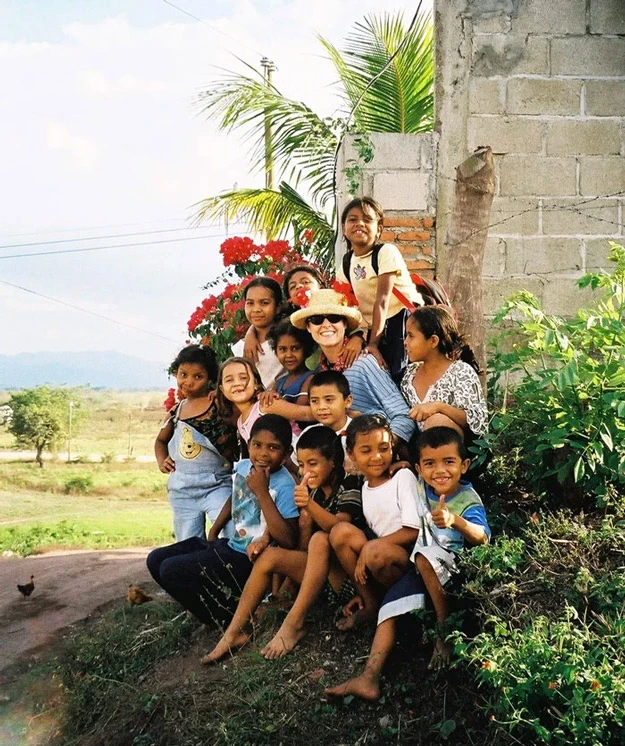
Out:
{"x": 567, "y": 414}
{"x": 80, "y": 484}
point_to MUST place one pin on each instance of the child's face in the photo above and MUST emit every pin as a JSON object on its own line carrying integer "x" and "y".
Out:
{"x": 416, "y": 343}
{"x": 237, "y": 383}
{"x": 373, "y": 454}
{"x": 290, "y": 353}
{"x": 319, "y": 468}
{"x": 192, "y": 380}
{"x": 442, "y": 468}
{"x": 329, "y": 406}
{"x": 301, "y": 280}
{"x": 266, "y": 451}
{"x": 260, "y": 307}
{"x": 362, "y": 228}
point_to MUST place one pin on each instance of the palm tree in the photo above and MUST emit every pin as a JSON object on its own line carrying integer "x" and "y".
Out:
{"x": 386, "y": 81}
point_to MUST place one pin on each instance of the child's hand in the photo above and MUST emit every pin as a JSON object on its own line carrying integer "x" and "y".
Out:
{"x": 394, "y": 468}
{"x": 256, "y": 548}
{"x": 301, "y": 494}
{"x": 258, "y": 480}
{"x": 252, "y": 348}
{"x": 353, "y": 606}
{"x": 421, "y": 412}
{"x": 360, "y": 573}
{"x": 212, "y": 534}
{"x": 442, "y": 516}
{"x": 167, "y": 465}
{"x": 267, "y": 398}
{"x": 351, "y": 351}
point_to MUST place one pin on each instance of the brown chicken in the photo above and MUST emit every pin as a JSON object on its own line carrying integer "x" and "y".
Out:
{"x": 137, "y": 595}
{"x": 27, "y": 588}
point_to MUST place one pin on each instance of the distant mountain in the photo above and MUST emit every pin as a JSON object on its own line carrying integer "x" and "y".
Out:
{"x": 102, "y": 369}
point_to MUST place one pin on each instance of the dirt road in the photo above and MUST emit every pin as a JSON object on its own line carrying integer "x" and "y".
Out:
{"x": 69, "y": 585}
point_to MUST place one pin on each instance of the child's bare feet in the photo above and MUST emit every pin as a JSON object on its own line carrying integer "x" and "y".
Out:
{"x": 440, "y": 657}
{"x": 355, "y": 619}
{"x": 363, "y": 686}
{"x": 285, "y": 639}
{"x": 228, "y": 645}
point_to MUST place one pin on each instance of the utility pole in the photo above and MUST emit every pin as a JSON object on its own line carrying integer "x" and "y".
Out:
{"x": 69, "y": 433}
{"x": 268, "y": 68}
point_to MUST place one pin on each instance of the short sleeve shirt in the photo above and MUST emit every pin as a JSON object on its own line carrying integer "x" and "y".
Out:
{"x": 392, "y": 505}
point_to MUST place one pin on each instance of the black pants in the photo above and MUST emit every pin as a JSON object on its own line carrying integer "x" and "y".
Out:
{"x": 391, "y": 344}
{"x": 206, "y": 577}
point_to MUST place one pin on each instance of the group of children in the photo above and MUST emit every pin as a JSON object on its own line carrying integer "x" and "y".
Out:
{"x": 331, "y": 497}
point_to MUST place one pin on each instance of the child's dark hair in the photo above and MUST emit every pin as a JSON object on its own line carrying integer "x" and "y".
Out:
{"x": 200, "y": 355}
{"x": 330, "y": 378}
{"x": 362, "y": 202}
{"x": 225, "y": 407}
{"x": 435, "y": 437}
{"x": 271, "y": 285}
{"x": 440, "y": 321}
{"x": 365, "y": 423}
{"x": 285, "y": 328}
{"x": 323, "y": 439}
{"x": 312, "y": 271}
{"x": 276, "y": 425}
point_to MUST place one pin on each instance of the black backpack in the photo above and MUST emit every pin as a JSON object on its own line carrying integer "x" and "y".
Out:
{"x": 432, "y": 292}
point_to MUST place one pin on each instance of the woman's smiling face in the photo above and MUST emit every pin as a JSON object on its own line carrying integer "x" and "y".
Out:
{"x": 328, "y": 333}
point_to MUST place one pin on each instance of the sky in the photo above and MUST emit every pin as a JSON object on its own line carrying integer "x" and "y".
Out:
{"x": 102, "y": 137}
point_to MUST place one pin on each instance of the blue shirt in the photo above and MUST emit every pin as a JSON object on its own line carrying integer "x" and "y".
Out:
{"x": 465, "y": 503}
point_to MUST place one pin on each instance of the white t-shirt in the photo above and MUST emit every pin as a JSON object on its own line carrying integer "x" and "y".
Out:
{"x": 268, "y": 365}
{"x": 391, "y": 505}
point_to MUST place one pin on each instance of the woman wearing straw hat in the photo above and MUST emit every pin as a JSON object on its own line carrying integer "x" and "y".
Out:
{"x": 328, "y": 318}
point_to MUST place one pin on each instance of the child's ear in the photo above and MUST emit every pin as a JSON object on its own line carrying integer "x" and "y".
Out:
{"x": 349, "y": 400}
{"x": 418, "y": 468}
{"x": 464, "y": 467}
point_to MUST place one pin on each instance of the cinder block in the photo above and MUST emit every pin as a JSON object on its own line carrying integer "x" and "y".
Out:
{"x": 573, "y": 217}
{"x": 555, "y": 16}
{"x": 507, "y": 54}
{"x": 484, "y": 96}
{"x": 602, "y": 175}
{"x": 505, "y": 135}
{"x": 543, "y": 255}
{"x": 605, "y": 97}
{"x": 597, "y": 250}
{"x": 497, "y": 291}
{"x": 429, "y": 144}
{"x": 494, "y": 257}
{"x": 587, "y": 55}
{"x": 510, "y": 215}
{"x": 543, "y": 96}
{"x": 396, "y": 150}
{"x": 402, "y": 190}
{"x": 583, "y": 137}
{"x": 607, "y": 17}
{"x": 563, "y": 297}
{"x": 533, "y": 175}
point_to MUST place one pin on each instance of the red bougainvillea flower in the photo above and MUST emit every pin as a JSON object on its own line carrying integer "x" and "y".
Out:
{"x": 308, "y": 236}
{"x": 171, "y": 399}
{"x": 238, "y": 250}
{"x": 345, "y": 289}
{"x": 301, "y": 298}
{"x": 276, "y": 250}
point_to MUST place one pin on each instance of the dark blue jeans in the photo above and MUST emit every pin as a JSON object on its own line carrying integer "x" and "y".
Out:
{"x": 206, "y": 577}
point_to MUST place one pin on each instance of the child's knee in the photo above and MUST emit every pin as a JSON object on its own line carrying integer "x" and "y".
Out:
{"x": 319, "y": 542}
{"x": 377, "y": 556}
{"x": 340, "y": 534}
{"x": 304, "y": 521}
{"x": 441, "y": 420}
{"x": 268, "y": 560}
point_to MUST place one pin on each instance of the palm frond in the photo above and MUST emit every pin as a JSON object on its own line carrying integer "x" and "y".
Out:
{"x": 401, "y": 99}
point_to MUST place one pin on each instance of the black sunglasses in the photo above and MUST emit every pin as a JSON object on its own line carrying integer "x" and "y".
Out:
{"x": 318, "y": 318}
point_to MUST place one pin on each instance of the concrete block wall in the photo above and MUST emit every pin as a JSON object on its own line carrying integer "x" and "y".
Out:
{"x": 402, "y": 178}
{"x": 542, "y": 83}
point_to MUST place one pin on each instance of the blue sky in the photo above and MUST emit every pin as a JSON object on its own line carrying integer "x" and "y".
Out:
{"x": 102, "y": 138}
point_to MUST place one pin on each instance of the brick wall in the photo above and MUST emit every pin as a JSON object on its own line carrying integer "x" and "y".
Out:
{"x": 542, "y": 83}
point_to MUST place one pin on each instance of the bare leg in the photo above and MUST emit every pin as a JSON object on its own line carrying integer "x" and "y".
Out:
{"x": 367, "y": 685}
{"x": 442, "y": 650}
{"x": 387, "y": 562}
{"x": 441, "y": 420}
{"x": 238, "y": 632}
{"x": 311, "y": 584}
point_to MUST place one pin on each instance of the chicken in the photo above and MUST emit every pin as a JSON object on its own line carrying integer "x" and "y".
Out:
{"x": 137, "y": 595}
{"x": 27, "y": 588}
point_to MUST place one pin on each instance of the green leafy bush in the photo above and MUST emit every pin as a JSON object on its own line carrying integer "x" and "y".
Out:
{"x": 79, "y": 484}
{"x": 566, "y": 413}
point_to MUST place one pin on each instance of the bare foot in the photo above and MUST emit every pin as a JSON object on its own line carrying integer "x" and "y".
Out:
{"x": 285, "y": 639}
{"x": 363, "y": 686}
{"x": 357, "y": 619}
{"x": 226, "y": 646}
{"x": 440, "y": 657}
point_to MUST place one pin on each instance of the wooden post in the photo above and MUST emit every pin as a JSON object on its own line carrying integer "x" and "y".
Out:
{"x": 465, "y": 243}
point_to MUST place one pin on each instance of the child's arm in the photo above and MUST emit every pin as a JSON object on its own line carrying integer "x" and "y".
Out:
{"x": 421, "y": 412}
{"x": 165, "y": 463}
{"x": 252, "y": 347}
{"x": 386, "y": 282}
{"x": 444, "y": 518}
{"x": 257, "y": 547}
{"x": 283, "y": 530}
{"x": 224, "y": 516}
{"x": 324, "y": 519}
{"x": 297, "y": 412}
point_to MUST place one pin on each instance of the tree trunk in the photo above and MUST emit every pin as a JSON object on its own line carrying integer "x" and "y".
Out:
{"x": 465, "y": 243}
{"x": 38, "y": 457}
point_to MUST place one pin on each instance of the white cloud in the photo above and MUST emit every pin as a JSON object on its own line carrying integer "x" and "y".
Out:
{"x": 83, "y": 153}
{"x": 96, "y": 83}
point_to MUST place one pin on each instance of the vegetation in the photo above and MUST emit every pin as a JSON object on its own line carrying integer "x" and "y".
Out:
{"x": 303, "y": 145}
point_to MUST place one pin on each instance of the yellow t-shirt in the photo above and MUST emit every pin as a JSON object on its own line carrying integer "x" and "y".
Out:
{"x": 364, "y": 280}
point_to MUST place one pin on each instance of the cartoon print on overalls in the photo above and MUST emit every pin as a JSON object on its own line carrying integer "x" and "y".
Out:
{"x": 188, "y": 447}
{"x": 360, "y": 272}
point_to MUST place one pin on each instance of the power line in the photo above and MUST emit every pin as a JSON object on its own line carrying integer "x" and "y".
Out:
{"x": 85, "y": 310}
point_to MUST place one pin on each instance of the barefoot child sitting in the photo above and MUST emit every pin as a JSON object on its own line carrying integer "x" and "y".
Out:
{"x": 375, "y": 559}
{"x": 326, "y": 498}
{"x": 453, "y": 515}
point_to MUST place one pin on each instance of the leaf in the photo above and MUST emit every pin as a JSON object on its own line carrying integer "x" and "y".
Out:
{"x": 606, "y": 437}
{"x": 447, "y": 727}
{"x": 579, "y": 469}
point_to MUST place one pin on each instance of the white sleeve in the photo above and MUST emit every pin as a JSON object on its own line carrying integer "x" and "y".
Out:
{"x": 407, "y": 498}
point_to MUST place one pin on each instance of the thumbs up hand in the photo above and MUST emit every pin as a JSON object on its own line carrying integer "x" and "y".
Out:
{"x": 301, "y": 494}
{"x": 442, "y": 517}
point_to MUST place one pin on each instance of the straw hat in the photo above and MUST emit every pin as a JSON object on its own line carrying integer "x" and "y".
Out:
{"x": 327, "y": 302}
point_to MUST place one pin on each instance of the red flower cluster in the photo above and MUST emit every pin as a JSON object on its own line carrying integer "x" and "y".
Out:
{"x": 238, "y": 250}
{"x": 308, "y": 236}
{"x": 276, "y": 250}
{"x": 301, "y": 298}
{"x": 207, "y": 307}
{"x": 171, "y": 399}
{"x": 345, "y": 289}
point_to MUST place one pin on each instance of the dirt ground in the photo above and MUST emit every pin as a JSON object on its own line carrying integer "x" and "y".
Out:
{"x": 69, "y": 586}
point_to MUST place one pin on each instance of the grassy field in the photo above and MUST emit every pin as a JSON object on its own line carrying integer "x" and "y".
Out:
{"x": 83, "y": 504}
